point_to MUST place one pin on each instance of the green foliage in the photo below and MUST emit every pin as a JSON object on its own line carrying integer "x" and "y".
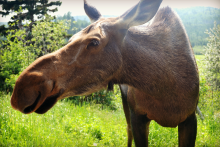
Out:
{"x": 75, "y": 26}
{"x": 15, "y": 56}
{"x": 209, "y": 102}
{"x": 81, "y": 24}
{"x": 102, "y": 99}
{"x": 18, "y": 52}
{"x": 49, "y": 35}
{"x": 208, "y": 95}
{"x": 67, "y": 17}
{"x": 199, "y": 50}
{"x": 212, "y": 56}
{"x": 64, "y": 125}
{"x": 203, "y": 83}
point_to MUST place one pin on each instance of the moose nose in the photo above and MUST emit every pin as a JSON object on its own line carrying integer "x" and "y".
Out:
{"x": 14, "y": 103}
{"x": 33, "y": 85}
{"x": 27, "y": 96}
{"x": 30, "y": 108}
{"x": 25, "y": 103}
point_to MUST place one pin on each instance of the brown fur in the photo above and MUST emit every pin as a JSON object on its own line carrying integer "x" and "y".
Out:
{"x": 156, "y": 62}
{"x": 154, "y": 59}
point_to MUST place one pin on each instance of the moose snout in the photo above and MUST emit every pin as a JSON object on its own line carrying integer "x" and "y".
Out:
{"x": 28, "y": 98}
{"x": 35, "y": 84}
{"x": 25, "y": 101}
{"x": 29, "y": 109}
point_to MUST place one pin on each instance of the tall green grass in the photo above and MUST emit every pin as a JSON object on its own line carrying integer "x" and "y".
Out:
{"x": 69, "y": 125}
{"x": 199, "y": 50}
{"x": 209, "y": 103}
{"x": 63, "y": 125}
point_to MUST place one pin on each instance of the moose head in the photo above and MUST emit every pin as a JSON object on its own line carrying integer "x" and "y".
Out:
{"x": 92, "y": 58}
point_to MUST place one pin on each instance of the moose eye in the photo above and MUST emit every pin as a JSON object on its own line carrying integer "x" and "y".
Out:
{"x": 94, "y": 42}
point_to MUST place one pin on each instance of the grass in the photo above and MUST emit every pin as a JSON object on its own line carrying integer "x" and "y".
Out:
{"x": 69, "y": 125}
{"x": 199, "y": 50}
{"x": 74, "y": 126}
{"x": 199, "y": 57}
{"x": 200, "y": 64}
{"x": 63, "y": 125}
{"x": 209, "y": 103}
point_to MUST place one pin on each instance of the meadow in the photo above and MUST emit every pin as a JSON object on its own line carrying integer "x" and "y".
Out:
{"x": 199, "y": 50}
{"x": 70, "y": 125}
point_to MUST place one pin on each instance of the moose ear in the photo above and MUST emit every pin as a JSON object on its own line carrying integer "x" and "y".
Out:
{"x": 139, "y": 14}
{"x": 91, "y": 12}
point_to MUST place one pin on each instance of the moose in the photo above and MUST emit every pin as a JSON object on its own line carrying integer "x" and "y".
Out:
{"x": 153, "y": 63}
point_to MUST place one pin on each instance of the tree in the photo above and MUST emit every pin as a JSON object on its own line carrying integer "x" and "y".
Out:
{"x": 27, "y": 10}
{"x": 75, "y": 26}
{"x": 212, "y": 56}
{"x": 67, "y": 17}
{"x": 49, "y": 35}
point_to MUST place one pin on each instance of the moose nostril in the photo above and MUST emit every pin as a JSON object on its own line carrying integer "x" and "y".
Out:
{"x": 31, "y": 108}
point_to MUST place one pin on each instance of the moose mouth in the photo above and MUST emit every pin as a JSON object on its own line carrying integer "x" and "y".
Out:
{"x": 47, "y": 104}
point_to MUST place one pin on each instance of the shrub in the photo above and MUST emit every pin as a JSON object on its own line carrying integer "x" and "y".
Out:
{"x": 18, "y": 52}
{"x": 212, "y": 56}
{"x": 49, "y": 35}
{"x": 16, "y": 55}
{"x": 103, "y": 99}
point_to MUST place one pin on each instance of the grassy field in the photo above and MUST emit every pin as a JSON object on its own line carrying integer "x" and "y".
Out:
{"x": 69, "y": 125}
{"x": 199, "y": 50}
{"x": 200, "y": 63}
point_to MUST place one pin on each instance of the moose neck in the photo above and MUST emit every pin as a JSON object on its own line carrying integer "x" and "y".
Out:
{"x": 138, "y": 60}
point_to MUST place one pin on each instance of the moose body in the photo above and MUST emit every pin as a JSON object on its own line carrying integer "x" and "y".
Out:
{"x": 154, "y": 65}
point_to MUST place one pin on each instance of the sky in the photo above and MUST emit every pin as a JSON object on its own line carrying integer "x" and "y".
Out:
{"x": 118, "y": 7}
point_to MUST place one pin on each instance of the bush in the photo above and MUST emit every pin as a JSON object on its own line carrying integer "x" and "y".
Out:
{"x": 18, "y": 52}
{"x": 212, "y": 56}
{"x": 103, "y": 99}
{"x": 16, "y": 55}
{"x": 49, "y": 35}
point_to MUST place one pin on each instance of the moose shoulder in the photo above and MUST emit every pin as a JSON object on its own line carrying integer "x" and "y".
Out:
{"x": 154, "y": 65}
{"x": 159, "y": 66}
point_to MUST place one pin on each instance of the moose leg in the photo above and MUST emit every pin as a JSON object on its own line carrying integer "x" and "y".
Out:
{"x": 124, "y": 90}
{"x": 187, "y": 131}
{"x": 140, "y": 128}
{"x": 127, "y": 115}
